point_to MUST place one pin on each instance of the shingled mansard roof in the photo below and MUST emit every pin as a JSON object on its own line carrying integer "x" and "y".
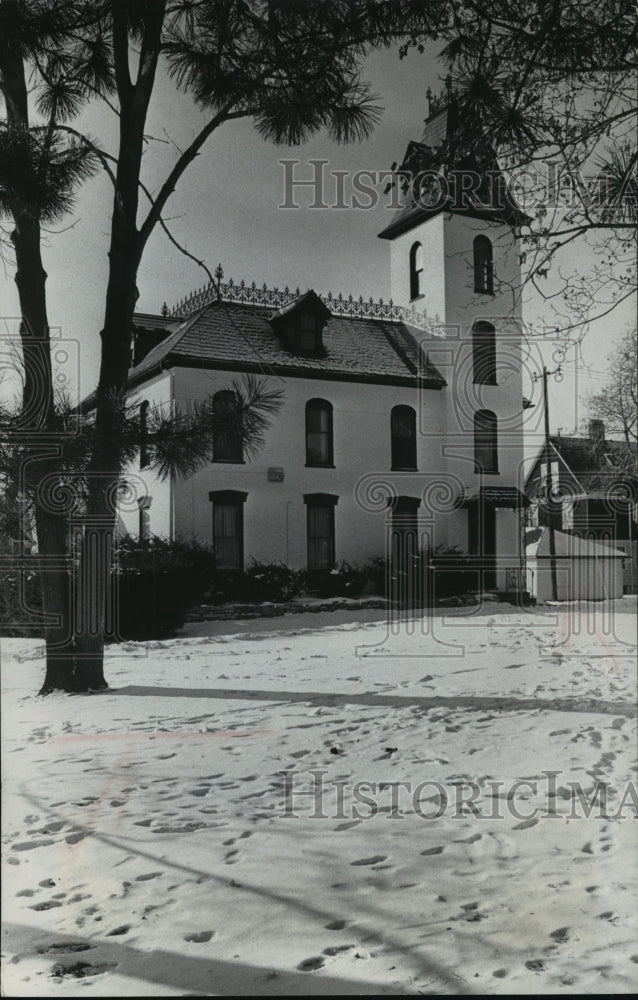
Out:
{"x": 240, "y": 337}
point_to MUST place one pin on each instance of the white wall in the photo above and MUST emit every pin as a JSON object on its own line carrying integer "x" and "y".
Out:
{"x": 448, "y": 282}
{"x": 144, "y": 482}
{"x": 275, "y": 513}
{"x": 430, "y": 235}
{"x": 582, "y": 578}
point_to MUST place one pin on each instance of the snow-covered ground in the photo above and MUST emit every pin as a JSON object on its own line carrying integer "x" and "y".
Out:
{"x": 278, "y": 809}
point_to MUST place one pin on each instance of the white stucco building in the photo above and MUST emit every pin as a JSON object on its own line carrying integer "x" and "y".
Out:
{"x": 400, "y": 420}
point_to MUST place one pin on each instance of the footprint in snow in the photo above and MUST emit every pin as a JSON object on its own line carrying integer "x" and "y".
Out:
{"x": 311, "y": 964}
{"x": 560, "y": 934}
{"x": 432, "y": 850}
{"x": 535, "y": 965}
{"x": 374, "y": 860}
{"x": 336, "y": 925}
{"x": 526, "y": 824}
{"x": 148, "y": 876}
{"x": 75, "y": 838}
{"x": 81, "y": 970}
{"x": 30, "y": 845}
{"x": 64, "y": 948}
{"x": 199, "y": 937}
{"x": 336, "y": 949}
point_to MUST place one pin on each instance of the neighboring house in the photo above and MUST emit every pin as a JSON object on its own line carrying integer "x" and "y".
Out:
{"x": 396, "y": 431}
{"x": 595, "y": 492}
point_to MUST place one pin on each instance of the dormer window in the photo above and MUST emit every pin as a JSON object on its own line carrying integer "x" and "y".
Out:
{"x": 300, "y": 325}
{"x": 307, "y": 332}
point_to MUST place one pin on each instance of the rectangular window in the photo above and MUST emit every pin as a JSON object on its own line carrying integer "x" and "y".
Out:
{"x": 485, "y": 442}
{"x": 228, "y": 535}
{"x": 321, "y": 537}
{"x": 307, "y": 332}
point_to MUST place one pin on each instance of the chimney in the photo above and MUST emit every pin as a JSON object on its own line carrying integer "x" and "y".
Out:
{"x": 597, "y": 434}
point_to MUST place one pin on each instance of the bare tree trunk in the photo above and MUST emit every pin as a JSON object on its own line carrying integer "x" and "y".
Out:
{"x": 95, "y": 568}
{"x": 124, "y": 257}
{"x": 38, "y": 428}
{"x": 37, "y": 423}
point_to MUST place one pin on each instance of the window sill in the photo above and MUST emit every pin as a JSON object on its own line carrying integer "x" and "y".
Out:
{"x": 487, "y": 472}
{"x": 481, "y": 381}
{"x": 320, "y": 465}
{"x": 417, "y": 298}
{"x": 229, "y": 461}
{"x": 484, "y": 291}
{"x": 403, "y": 468}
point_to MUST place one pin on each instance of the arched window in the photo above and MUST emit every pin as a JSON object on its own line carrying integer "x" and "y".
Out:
{"x": 484, "y": 353}
{"x": 416, "y": 271}
{"x": 483, "y": 266}
{"x": 144, "y": 456}
{"x": 403, "y": 433}
{"x": 319, "y": 448}
{"x": 485, "y": 441}
{"x": 227, "y": 434}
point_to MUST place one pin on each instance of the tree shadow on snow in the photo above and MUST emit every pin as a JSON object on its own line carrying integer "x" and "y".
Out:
{"x": 372, "y": 700}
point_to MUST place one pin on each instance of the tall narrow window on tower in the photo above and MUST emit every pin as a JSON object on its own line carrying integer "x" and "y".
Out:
{"x": 484, "y": 353}
{"x": 483, "y": 266}
{"x": 416, "y": 271}
{"x": 403, "y": 437}
{"x": 485, "y": 442}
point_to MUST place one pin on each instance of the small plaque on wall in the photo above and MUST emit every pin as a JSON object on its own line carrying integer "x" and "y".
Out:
{"x": 275, "y": 474}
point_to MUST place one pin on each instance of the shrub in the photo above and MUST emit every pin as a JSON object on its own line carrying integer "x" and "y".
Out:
{"x": 453, "y": 573}
{"x": 157, "y": 581}
{"x": 20, "y": 603}
{"x": 272, "y": 582}
{"x": 343, "y": 581}
{"x": 260, "y": 582}
{"x": 431, "y": 574}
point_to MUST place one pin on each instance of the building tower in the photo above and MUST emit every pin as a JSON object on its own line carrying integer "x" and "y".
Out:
{"x": 454, "y": 257}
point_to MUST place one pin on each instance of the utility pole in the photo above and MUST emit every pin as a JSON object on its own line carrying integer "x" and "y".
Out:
{"x": 548, "y": 479}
